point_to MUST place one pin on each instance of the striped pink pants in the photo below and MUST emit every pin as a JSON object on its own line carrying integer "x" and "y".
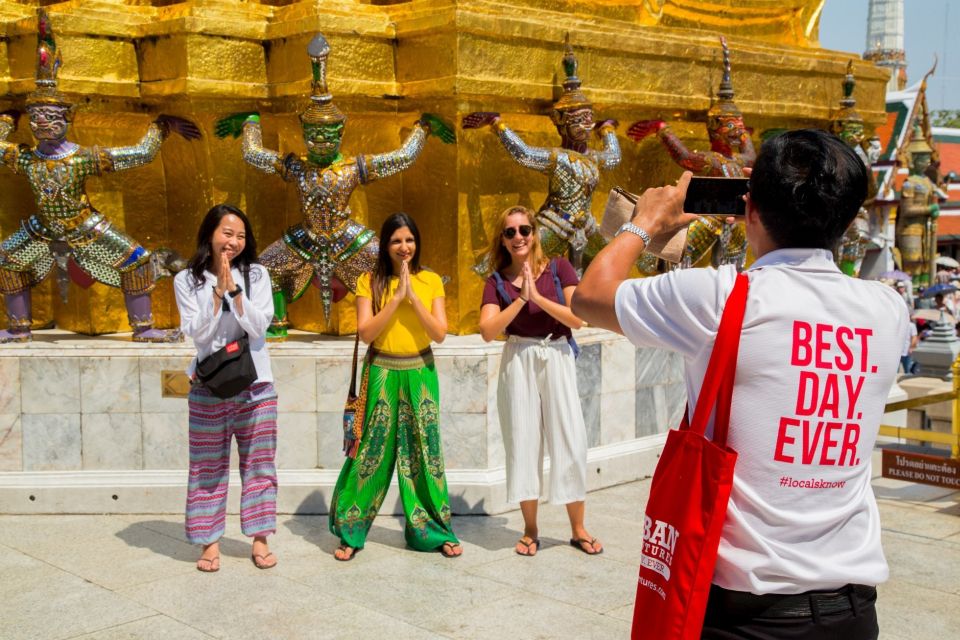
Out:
{"x": 250, "y": 417}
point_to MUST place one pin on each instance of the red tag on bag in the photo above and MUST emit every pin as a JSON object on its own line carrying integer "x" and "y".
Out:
{"x": 688, "y": 500}
{"x": 232, "y": 347}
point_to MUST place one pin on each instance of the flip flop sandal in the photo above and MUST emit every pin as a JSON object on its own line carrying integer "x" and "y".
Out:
{"x": 344, "y": 547}
{"x": 209, "y": 562}
{"x": 450, "y": 545}
{"x": 578, "y": 543}
{"x": 527, "y": 545}
{"x": 262, "y": 559}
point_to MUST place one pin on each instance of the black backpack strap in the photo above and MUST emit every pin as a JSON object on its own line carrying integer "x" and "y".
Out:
{"x": 556, "y": 282}
{"x": 501, "y": 289}
{"x": 562, "y": 300}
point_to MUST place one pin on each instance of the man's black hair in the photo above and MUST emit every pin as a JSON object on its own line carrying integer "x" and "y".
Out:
{"x": 807, "y": 186}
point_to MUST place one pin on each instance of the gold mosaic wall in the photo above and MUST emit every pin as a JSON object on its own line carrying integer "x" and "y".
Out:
{"x": 125, "y": 61}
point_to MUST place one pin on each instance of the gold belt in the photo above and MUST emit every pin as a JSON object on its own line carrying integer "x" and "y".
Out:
{"x": 68, "y": 224}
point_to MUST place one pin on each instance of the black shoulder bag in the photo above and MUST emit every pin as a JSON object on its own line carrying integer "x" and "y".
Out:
{"x": 230, "y": 369}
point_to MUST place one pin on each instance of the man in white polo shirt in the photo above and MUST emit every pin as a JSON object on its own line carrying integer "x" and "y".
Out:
{"x": 800, "y": 551}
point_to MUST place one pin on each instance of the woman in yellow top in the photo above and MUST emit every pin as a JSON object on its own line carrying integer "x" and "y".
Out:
{"x": 400, "y": 310}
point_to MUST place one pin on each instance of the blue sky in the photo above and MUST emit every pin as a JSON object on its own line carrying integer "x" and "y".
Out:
{"x": 930, "y": 26}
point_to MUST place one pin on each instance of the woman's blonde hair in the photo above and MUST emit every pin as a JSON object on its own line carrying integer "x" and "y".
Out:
{"x": 498, "y": 255}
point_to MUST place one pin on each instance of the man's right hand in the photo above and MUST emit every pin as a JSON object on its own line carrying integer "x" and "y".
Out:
{"x": 660, "y": 209}
{"x": 643, "y": 128}
{"x": 479, "y": 118}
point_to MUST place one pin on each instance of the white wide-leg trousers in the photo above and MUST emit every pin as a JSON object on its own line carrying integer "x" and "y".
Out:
{"x": 537, "y": 399}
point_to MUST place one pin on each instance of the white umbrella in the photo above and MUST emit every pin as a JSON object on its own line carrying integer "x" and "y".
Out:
{"x": 947, "y": 261}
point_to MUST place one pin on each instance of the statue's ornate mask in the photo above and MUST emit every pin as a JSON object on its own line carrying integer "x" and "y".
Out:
{"x": 575, "y": 125}
{"x": 49, "y": 122}
{"x": 323, "y": 141}
{"x": 727, "y": 132}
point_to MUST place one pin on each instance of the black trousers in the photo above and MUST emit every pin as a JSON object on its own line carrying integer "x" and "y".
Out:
{"x": 848, "y": 613}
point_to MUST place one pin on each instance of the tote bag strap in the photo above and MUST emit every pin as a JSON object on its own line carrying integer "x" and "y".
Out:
{"x": 717, "y": 388}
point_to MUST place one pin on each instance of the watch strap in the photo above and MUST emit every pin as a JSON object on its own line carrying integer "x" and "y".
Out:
{"x": 634, "y": 229}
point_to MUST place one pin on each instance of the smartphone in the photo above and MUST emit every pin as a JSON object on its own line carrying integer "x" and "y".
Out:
{"x": 716, "y": 196}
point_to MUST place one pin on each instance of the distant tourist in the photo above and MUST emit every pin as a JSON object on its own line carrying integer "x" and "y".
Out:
{"x": 226, "y": 304}
{"x": 400, "y": 311}
{"x": 800, "y": 552}
{"x": 528, "y": 298}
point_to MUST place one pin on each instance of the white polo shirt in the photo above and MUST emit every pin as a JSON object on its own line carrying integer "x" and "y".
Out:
{"x": 211, "y": 332}
{"x": 818, "y": 353}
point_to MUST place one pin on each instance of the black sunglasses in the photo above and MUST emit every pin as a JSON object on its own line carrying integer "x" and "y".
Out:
{"x": 524, "y": 229}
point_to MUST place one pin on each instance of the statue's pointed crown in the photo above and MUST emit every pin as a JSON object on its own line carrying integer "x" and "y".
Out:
{"x": 572, "y": 98}
{"x": 918, "y": 141}
{"x": 724, "y": 106}
{"x": 48, "y": 65}
{"x": 848, "y": 103}
{"x": 321, "y": 109}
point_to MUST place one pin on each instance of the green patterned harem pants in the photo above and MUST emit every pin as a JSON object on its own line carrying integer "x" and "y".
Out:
{"x": 401, "y": 426}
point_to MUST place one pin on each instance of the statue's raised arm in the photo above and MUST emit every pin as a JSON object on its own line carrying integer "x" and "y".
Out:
{"x": 383, "y": 165}
{"x": 144, "y": 151}
{"x": 609, "y": 155}
{"x": 536, "y": 158}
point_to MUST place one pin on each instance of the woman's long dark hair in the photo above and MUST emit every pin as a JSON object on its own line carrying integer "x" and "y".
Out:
{"x": 380, "y": 278}
{"x": 202, "y": 259}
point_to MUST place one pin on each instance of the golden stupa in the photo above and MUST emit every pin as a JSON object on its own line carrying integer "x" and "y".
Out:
{"x": 125, "y": 61}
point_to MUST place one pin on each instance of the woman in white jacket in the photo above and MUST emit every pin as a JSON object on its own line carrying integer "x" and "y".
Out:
{"x": 216, "y": 310}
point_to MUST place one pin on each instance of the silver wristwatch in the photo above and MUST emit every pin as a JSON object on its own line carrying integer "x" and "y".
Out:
{"x": 634, "y": 229}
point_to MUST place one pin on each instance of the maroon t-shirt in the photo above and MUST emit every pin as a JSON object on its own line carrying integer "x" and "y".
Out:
{"x": 532, "y": 321}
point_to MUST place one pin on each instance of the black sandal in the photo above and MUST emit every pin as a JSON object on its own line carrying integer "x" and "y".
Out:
{"x": 446, "y": 549}
{"x": 343, "y": 547}
{"x": 579, "y": 542}
{"x": 527, "y": 545}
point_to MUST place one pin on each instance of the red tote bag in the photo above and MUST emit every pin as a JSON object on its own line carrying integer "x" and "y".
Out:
{"x": 688, "y": 499}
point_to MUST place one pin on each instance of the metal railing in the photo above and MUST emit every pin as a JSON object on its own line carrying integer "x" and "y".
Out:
{"x": 923, "y": 435}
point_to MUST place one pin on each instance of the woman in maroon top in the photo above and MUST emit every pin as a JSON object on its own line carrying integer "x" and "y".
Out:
{"x": 527, "y": 298}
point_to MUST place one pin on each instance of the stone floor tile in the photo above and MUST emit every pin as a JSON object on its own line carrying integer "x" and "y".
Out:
{"x": 126, "y": 552}
{"x": 916, "y": 561}
{"x": 157, "y": 626}
{"x": 622, "y": 613}
{"x": 911, "y": 519}
{"x": 593, "y": 583}
{"x": 907, "y": 610}
{"x": 387, "y": 582}
{"x": 42, "y": 601}
{"x": 282, "y": 608}
{"x": 532, "y": 617}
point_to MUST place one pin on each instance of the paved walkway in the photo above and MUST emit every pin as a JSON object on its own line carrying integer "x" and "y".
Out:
{"x": 111, "y": 577}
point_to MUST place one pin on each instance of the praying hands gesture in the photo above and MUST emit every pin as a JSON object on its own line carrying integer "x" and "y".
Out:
{"x": 225, "y": 285}
{"x": 404, "y": 288}
{"x": 433, "y": 319}
{"x": 528, "y": 287}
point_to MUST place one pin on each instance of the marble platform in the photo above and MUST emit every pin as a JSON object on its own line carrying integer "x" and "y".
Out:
{"x": 93, "y": 424}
